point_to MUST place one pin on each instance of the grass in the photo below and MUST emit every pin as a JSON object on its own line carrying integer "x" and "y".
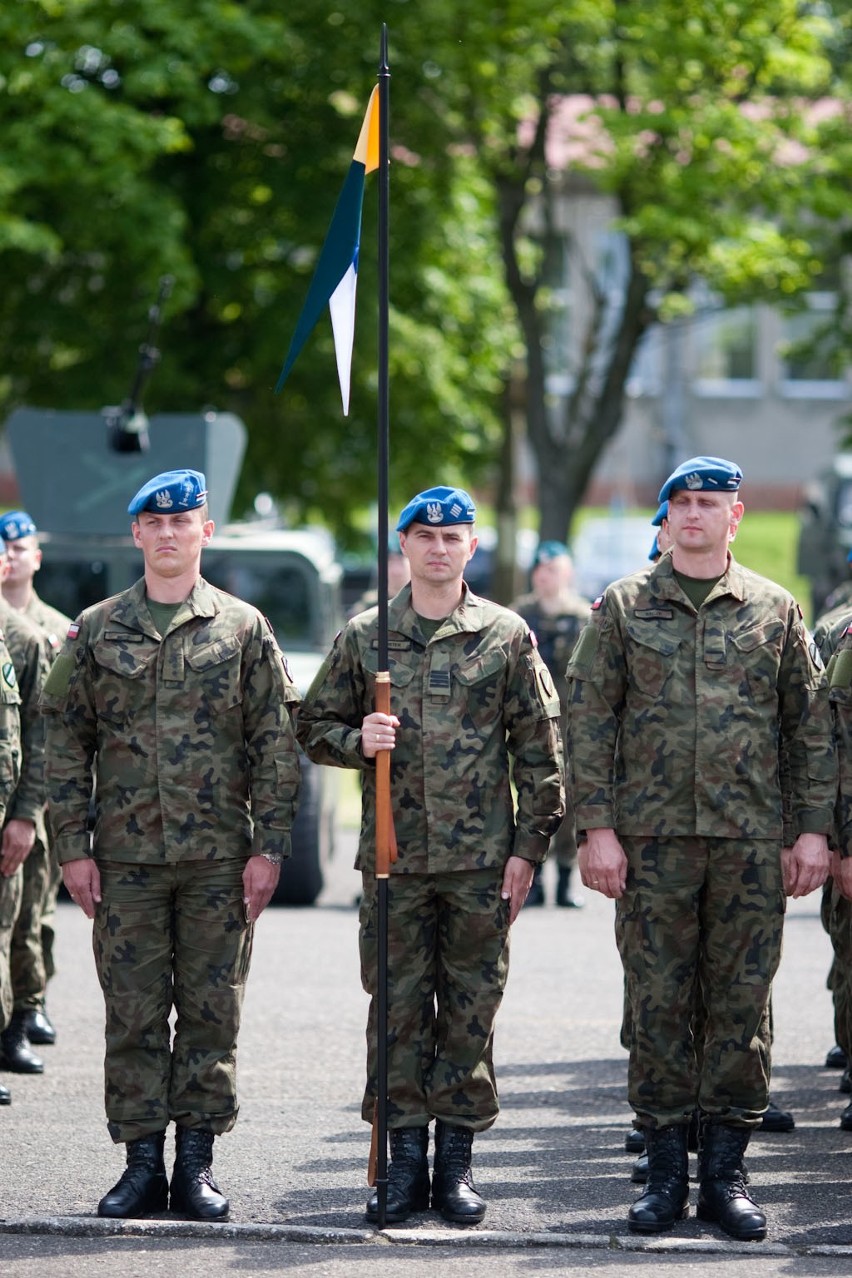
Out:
{"x": 766, "y": 543}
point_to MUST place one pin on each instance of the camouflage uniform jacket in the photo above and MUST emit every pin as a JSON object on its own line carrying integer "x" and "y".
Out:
{"x": 196, "y": 757}
{"x": 53, "y": 623}
{"x": 679, "y": 718}
{"x": 837, "y": 654}
{"x": 556, "y": 631}
{"x": 474, "y": 694}
{"x": 28, "y": 650}
{"x": 10, "y": 730}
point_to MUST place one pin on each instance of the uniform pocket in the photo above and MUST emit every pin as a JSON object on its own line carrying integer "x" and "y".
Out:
{"x": 651, "y": 656}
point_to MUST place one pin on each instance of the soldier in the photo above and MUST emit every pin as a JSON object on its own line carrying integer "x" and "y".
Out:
{"x": 832, "y": 634}
{"x": 693, "y": 679}
{"x": 10, "y": 866}
{"x": 556, "y": 614}
{"x": 468, "y": 692}
{"x": 837, "y": 898}
{"x": 24, "y": 833}
{"x": 181, "y": 693}
{"x": 32, "y": 943}
{"x": 398, "y": 576}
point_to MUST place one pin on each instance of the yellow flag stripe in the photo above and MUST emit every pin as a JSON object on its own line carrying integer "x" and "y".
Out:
{"x": 367, "y": 150}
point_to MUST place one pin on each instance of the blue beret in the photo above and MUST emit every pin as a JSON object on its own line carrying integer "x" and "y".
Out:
{"x": 16, "y": 524}
{"x": 438, "y": 506}
{"x": 662, "y": 513}
{"x": 655, "y": 552}
{"x": 713, "y": 473}
{"x": 547, "y": 550}
{"x": 171, "y": 492}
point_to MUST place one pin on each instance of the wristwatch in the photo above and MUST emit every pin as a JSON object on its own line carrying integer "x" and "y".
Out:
{"x": 274, "y": 858}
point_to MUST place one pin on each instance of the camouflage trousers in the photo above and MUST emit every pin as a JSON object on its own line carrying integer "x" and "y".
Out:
{"x": 448, "y": 959}
{"x": 29, "y": 971}
{"x": 171, "y": 936}
{"x": 836, "y": 914}
{"x": 699, "y": 927}
{"x": 10, "y": 903}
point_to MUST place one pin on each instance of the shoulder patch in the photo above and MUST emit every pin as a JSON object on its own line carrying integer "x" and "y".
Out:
{"x": 597, "y": 603}
{"x": 73, "y": 630}
{"x": 8, "y": 675}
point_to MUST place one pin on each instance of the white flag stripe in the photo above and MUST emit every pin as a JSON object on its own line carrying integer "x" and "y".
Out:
{"x": 342, "y": 307}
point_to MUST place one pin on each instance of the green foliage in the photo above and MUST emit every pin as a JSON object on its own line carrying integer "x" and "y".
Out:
{"x": 208, "y": 139}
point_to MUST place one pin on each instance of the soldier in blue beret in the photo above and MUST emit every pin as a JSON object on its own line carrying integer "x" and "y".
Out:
{"x": 473, "y": 709}
{"x": 662, "y": 540}
{"x": 181, "y": 694}
{"x": 33, "y": 938}
{"x": 556, "y": 614}
{"x": 704, "y": 780}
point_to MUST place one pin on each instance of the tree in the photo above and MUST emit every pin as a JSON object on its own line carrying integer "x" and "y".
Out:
{"x": 690, "y": 110}
{"x": 208, "y": 140}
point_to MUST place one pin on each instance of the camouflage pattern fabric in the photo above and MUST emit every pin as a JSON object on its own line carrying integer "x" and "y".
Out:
{"x": 10, "y": 766}
{"x": 186, "y": 917}
{"x": 197, "y": 771}
{"x": 677, "y": 717}
{"x": 10, "y": 904}
{"x": 474, "y": 694}
{"x": 196, "y": 754}
{"x": 557, "y": 633}
{"x": 32, "y": 961}
{"x": 439, "y": 1060}
{"x": 42, "y": 875}
{"x": 680, "y": 720}
{"x": 28, "y": 650}
{"x": 836, "y": 912}
{"x": 687, "y": 939}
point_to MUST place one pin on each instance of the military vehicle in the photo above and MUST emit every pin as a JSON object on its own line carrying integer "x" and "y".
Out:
{"x": 75, "y": 477}
{"x": 825, "y": 531}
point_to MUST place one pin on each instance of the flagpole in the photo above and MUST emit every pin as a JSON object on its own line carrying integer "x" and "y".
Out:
{"x": 385, "y": 851}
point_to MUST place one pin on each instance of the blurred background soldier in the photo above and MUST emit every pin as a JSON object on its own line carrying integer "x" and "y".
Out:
{"x": 32, "y": 943}
{"x": 556, "y": 614}
{"x": 181, "y": 692}
{"x": 399, "y": 575}
{"x": 25, "y": 836}
{"x": 10, "y": 878}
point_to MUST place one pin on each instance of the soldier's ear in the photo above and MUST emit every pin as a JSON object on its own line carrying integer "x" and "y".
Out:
{"x": 207, "y": 532}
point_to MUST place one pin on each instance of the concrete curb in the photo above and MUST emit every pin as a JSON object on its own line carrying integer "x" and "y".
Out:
{"x": 94, "y": 1227}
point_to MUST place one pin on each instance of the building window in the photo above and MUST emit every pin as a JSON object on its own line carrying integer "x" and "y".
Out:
{"x": 809, "y": 368}
{"x": 724, "y": 344}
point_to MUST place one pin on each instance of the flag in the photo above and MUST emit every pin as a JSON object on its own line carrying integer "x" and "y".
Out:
{"x": 336, "y": 276}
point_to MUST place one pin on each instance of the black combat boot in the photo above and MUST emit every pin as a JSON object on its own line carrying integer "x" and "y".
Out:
{"x": 723, "y": 1197}
{"x": 408, "y": 1176}
{"x": 38, "y": 1026}
{"x": 664, "y": 1198}
{"x": 15, "y": 1053}
{"x": 564, "y": 896}
{"x": 535, "y": 896}
{"x": 5, "y": 1095}
{"x": 453, "y": 1192}
{"x": 193, "y": 1189}
{"x": 143, "y": 1186}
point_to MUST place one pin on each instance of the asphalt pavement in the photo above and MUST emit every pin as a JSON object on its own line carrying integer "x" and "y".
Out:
{"x": 553, "y": 1168}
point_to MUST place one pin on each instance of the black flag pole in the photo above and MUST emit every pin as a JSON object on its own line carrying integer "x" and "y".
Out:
{"x": 385, "y": 840}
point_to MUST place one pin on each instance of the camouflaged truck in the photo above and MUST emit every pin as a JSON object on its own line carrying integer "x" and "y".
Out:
{"x": 76, "y": 485}
{"x": 825, "y": 531}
